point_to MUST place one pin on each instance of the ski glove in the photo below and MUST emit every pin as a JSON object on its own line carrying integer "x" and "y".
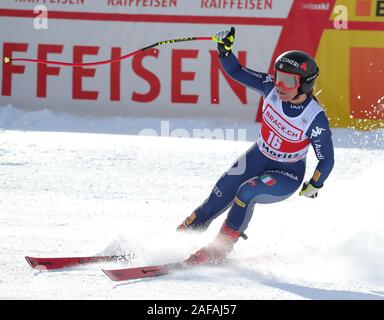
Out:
{"x": 225, "y": 40}
{"x": 309, "y": 190}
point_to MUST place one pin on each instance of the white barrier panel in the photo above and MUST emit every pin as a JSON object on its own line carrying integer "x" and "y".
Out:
{"x": 177, "y": 80}
{"x": 214, "y": 8}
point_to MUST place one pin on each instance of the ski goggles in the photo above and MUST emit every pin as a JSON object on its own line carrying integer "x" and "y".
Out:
{"x": 286, "y": 80}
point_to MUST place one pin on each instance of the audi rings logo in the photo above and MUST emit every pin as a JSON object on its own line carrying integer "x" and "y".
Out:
{"x": 217, "y": 191}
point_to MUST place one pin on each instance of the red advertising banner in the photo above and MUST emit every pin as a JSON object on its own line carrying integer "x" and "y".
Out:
{"x": 185, "y": 79}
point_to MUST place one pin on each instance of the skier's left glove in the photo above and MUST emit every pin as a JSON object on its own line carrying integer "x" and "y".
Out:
{"x": 309, "y": 190}
{"x": 225, "y": 40}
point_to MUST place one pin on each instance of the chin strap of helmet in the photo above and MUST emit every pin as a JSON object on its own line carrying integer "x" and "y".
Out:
{"x": 298, "y": 95}
{"x": 299, "y": 92}
{"x": 300, "y": 89}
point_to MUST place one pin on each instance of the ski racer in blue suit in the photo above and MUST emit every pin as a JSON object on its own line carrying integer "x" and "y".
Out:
{"x": 273, "y": 168}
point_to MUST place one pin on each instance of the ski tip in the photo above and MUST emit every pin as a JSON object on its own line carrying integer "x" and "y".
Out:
{"x": 34, "y": 264}
{"x": 31, "y": 261}
{"x": 110, "y": 274}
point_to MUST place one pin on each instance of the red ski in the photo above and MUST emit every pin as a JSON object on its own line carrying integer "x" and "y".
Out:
{"x": 65, "y": 262}
{"x": 144, "y": 272}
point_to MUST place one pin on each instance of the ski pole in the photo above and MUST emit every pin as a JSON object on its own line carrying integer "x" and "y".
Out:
{"x": 71, "y": 64}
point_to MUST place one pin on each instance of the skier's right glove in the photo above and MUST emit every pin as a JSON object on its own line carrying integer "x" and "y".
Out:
{"x": 225, "y": 40}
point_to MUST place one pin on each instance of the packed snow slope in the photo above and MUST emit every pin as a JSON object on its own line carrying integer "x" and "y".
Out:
{"x": 66, "y": 193}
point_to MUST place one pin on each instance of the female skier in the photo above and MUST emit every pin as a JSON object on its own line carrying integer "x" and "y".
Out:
{"x": 273, "y": 168}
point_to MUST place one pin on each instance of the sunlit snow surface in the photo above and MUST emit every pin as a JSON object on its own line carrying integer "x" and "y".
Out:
{"x": 74, "y": 194}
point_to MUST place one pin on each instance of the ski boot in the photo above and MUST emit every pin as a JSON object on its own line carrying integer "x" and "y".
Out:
{"x": 217, "y": 251}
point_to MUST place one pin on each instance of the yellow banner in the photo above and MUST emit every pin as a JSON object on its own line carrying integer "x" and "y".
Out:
{"x": 351, "y": 61}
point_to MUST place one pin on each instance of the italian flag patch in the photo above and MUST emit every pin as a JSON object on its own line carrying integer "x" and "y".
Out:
{"x": 268, "y": 180}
